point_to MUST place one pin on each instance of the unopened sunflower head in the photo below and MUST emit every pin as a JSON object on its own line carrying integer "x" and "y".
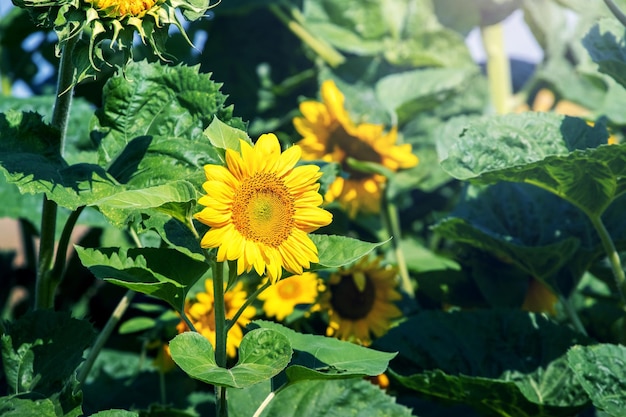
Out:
{"x": 113, "y": 22}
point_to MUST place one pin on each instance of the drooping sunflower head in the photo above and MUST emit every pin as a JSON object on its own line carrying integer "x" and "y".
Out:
{"x": 260, "y": 208}
{"x": 360, "y": 301}
{"x": 329, "y": 134}
{"x": 281, "y": 299}
{"x": 113, "y": 22}
{"x": 201, "y": 313}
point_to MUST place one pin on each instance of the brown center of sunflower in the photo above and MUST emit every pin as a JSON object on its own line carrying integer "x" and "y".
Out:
{"x": 354, "y": 148}
{"x": 121, "y": 8}
{"x": 350, "y": 302}
{"x": 263, "y": 209}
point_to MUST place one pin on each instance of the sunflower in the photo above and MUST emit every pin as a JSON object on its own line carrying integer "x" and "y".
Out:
{"x": 360, "y": 301}
{"x": 281, "y": 299}
{"x": 260, "y": 207}
{"x": 113, "y": 20}
{"x": 202, "y": 315}
{"x": 330, "y": 135}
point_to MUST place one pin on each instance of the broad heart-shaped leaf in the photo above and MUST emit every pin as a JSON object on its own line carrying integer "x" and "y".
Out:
{"x": 319, "y": 357}
{"x": 605, "y": 44}
{"x": 497, "y": 218}
{"x": 263, "y": 353}
{"x": 347, "y": 397}
{"x": 335, "y": 251}
{"x": 502, "y": 362}
{"x": 20, "y": 407}
{"x": 161, "y": 272}
{"x": 558, "y": 153}
{"x": 223, "y": 136}
{"x": 150, "y": 128}
{"x": 36, "y": 354}
{"x": 601, "y": 369}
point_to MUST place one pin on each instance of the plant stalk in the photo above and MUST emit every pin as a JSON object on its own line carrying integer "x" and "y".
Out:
{"x": 613, "y": 257}
{"x": 392, "y": 221}
{"x": 573, "y": 315}
{"x": 498, "y": 67}
{"x": 617, "y": 12}
{"x": 220, "y": 334}
{"x": 245, "y": 305}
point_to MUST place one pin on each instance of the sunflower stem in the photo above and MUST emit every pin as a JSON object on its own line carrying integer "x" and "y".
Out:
{"x": 329, "y": 54}
{"x": 613, "y": 257}
{"x": 392, "y": 221}
{"x": 45, "y": 287}
{"x": 617, "y": 12}
{"x": 245, "y": 305}
{"x": 572, "y": 314}
{"x": 498, "y": 67}
{"x": 220, "y": 334}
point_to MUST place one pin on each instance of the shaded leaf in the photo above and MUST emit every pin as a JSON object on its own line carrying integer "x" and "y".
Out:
{"x": 605, "y": 44}
{"x": 263, "y": 353}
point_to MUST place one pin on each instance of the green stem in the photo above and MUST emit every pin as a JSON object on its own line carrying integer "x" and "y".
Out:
{"x": 498, "y": 67}
{"x": 612, "y": 255}
{"x": 616, "y": 11}
{"x": 119, "y": 311}
{"x": 188, "y": 322}
{"x": 27, "y": 234}
{"x": 56, "y": 275}
{"x": 245, "y": 305}
{"x": 391, "y": 218}
{"x": 45, "y": 288}
{"x": 329, "y": 54}
{"x": 572, "y": 314}
{"x": 220, "y": 334}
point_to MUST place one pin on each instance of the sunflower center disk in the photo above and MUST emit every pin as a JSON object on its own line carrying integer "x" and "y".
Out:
{"x": 263, "y": 210}
{"x": 289, "y": 290}
{"x": 350, "y": 302}
{"x": 354, "y": 148}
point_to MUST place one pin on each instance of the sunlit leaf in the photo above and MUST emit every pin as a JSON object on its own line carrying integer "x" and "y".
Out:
{"x": 335, "y": 251}
{"x": 223, "y": 136}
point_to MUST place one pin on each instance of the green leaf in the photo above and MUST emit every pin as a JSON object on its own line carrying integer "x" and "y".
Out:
{"x": 335, "y": 251}
{"x": 604, "y": 42}
{"x": 36, "y": 355}
{"x": 501, "y": 362}
{"x": 319, "y": 357}
{"x": 334, "y": 398}
{"x": 115, "y": 413}
{"x": 263, "y": 353}
{"x": 223, "y": 136}
{"x": 465, "y": 16}
{"x": 558, "y": 153}
{"x": 20, "y": 407}
{"x": 601, "y": 369}
{"x": 151, "y": 271}
{"x": 136, "y": 324}
{"x": 243, "y": 402}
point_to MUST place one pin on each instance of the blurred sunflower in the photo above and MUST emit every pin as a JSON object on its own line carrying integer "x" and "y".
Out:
{"x": 329, "y": 134}
{"x": 360, "y": 301}
{"x": 201, "y": 313}
{"x": 114, "y": 20}
{"x": 281, "y": 299}
{"x": 260, "y": 208}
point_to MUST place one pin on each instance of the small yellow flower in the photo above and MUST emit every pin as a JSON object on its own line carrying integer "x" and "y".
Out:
{"x": 329, "y": 134}
{"x": 261, "y": 207}
{"x": 201, "y": 313}
{"x": 281, "y": 299}
{"x": 360, "y": 301}
{"x": 539, "y": 298}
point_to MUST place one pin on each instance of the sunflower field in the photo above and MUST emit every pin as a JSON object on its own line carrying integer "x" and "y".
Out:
{"x": 310, "y": 208}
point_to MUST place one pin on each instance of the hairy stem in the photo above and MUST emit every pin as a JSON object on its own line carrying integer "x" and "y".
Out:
{"x": 498, "y": 67}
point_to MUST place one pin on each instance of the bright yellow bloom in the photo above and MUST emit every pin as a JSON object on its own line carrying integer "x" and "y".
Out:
{"x": 282, "y": 298}
{"x": 201, "y": 313}
{"x": 360, "y": 301}
{"x": 330, "y": 135}
{"x": 260, "y": 208}
{"x": 122, "y": 8}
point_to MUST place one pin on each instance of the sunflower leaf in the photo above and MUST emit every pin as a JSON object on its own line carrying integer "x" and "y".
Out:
{"x": 507, "y": 359}
{"x": 151, "y": 271}
{"x": 335, "y": 251}
{"x": 225, "y": 137}
{"x": 319, "y": 357}
{"x": 601, "y": 370}
{"x": 558, "y": 153}
{"x": 604, "y": 42}
{"x": 263, "y": 353}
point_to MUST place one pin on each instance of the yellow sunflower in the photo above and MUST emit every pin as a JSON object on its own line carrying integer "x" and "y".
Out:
{"x": 281, "y": 299}
{"x": 260, "y": 207}
{"x": 360, "y": 301}
{"x": 330, "y": 135}
{"x": 201, "y": 313}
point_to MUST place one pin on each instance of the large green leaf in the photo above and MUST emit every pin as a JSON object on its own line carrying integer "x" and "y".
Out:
{"x": 319, "y": 357}
{"x": 152, "y": 271}
{"x": 335, "y": 251}
{"x": 604, "y": 42}
{"x": 36, "y": 356}
{"x": 263, "y": 353}
{"x": 334, "y": 398}
{"x": 498, "y": 361}
{"x": 558, "y": 153}
{"x": 601, "y": 370}
{"x": 20, "y": 407}
{"x": 464, "y": 16}
{"x": 150, "y": 129}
